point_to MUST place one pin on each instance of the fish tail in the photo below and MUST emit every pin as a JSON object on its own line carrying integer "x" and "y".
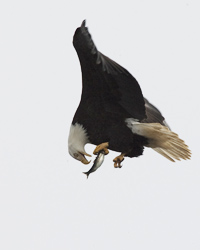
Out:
{"x": 86, "y": 173}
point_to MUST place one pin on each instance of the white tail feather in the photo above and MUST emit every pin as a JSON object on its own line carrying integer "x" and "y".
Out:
{"x": 161, "y": 139}
{"x": 160, "y": 151}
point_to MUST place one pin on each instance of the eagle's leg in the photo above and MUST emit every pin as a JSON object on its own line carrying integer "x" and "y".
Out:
{"x": 102, "y": 146}
{"x": 118, "y": 160}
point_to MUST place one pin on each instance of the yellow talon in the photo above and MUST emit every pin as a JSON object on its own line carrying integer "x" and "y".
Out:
{"x": 102, "y": 146}
{"x": 118, "y": 160}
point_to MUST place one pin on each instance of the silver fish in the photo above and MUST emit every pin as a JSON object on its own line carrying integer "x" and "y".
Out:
{"x": 97, "y": 163}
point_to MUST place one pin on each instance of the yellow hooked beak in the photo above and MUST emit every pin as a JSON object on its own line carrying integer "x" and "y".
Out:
{"x": 84, "y": 160}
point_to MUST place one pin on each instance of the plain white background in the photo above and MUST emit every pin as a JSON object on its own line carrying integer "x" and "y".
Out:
{"x": 45, "y": 200}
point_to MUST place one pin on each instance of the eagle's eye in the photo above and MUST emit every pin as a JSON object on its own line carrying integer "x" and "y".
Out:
{"x": 75, "y": 155}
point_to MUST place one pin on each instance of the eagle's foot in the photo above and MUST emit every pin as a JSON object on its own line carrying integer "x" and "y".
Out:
{"x": 100, "y": 147}
{"x": 118, "y": 160}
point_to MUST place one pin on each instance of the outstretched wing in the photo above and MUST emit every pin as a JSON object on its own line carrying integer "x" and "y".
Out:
{"x": 106, "y": 78}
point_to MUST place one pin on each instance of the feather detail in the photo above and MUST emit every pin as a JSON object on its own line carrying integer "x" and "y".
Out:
{"x": 161, "y": 139}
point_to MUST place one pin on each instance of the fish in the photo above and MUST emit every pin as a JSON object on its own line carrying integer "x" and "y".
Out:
{"x": 97, "y": 163}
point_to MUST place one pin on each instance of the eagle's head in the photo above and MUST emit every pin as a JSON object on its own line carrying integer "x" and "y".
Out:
{"x": 76, "y": 142}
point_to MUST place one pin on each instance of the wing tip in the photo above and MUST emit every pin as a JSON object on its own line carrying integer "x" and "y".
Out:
{"x": 83, "y": 23}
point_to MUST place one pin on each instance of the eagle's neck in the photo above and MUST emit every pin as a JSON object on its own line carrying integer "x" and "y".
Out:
{"x": 77, "y": 138}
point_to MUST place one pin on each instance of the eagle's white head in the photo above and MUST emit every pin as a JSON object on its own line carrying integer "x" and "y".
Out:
{"x": 76, "y": 143}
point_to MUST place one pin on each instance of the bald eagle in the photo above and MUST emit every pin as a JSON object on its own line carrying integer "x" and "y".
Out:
{"x": 113, "y": 114}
